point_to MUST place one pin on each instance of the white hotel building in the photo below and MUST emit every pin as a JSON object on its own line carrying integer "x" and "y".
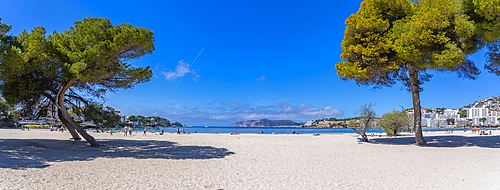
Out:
{"x": 440, "y": 120}
{"x": 477, "y": 113}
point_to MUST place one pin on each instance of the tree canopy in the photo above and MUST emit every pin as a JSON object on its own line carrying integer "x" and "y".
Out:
{"x": 76, "y": 65}
{"x": 388, "y": 41}
{"x": 151, "y": 120}
{"x": 384, "y": 35}
{"x": 486, "y": 16}
{"x": 102, "y": 116}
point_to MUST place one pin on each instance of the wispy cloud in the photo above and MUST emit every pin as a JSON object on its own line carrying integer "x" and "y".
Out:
{"x": 285, "y": 112}
{"x": 304, "y": 106}
{"x": 181, "y": 70}
{"x": 212, "y": 103}
{"x": 231, "y": 111}
{"x": 235, "y": 105}
{"x": 263, "y": 77}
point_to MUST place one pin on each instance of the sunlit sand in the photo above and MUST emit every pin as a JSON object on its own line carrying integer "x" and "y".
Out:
{"x": 40, "y": 159}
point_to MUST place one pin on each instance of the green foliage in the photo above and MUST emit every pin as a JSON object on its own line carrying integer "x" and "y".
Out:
{"x": 132, "y": 118}
{"x": 4, "y": 28}
{"x": 450, "y": 121}
{"x": 462, "y": 113}
{"x": 5, "y": 40}
{"x": 14, "y": 115}
{"x": 485, "y": 14}
{"x": 335, "y": 119}
{"x": 440, "y": 110}
{"x": 402, "y": 40}
{"x": 80, "y": 63}
{"x": 161, "y": 121}
{"x": 395, "y": 121}
{"x": 102, "y": 116}
{"x": 143, "y": 120}
{"x": 94, "y": 51}
{"x": 74, "y": 111}
{"x": 152, "y": 120}
{"x": 4, "y": 107}
{"x": 78, "y": 120}
{"x": 384, "y": 35}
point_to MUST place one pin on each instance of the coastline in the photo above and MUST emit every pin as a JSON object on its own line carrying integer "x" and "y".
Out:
{"x": 42, "y": 159}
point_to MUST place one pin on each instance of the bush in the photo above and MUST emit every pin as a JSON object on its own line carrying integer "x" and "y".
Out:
{"x": 393, "y": 122}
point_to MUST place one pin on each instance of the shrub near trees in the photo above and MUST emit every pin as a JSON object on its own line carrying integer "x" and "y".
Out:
{"x": 395, "y": 121}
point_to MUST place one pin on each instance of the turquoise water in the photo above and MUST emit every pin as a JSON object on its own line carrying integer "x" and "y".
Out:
{"x": 266, "y": 130}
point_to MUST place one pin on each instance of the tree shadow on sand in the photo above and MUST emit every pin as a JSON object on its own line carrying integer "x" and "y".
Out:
{"x": 450, "y": 141}
{"x": 36, "y": 153}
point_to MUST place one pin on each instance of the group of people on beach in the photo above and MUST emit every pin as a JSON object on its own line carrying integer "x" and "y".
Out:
{"x": 54, "y": 128}
{"x": 479, "y": 131}
{"x": 363, "y": 138}
{"x": 127, "y": 131}
{"x": 275, "y": 133}
{"x": 154, "y": 131}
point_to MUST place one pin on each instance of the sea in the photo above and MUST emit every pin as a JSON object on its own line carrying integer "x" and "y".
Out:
{"x": 264, "y": 130}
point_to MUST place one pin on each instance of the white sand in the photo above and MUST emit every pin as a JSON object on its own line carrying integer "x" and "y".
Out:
{"x": 40, "y": 159}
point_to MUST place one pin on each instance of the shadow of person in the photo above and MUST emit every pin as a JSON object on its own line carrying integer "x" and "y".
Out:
{"x": 444, "y": 141}
{"x": 37, "y": 153}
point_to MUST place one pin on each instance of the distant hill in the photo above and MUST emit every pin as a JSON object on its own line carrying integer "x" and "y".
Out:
{"x": 266, "y": 123}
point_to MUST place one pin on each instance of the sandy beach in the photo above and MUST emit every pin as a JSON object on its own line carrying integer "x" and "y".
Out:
{"x": 41, "y": 159}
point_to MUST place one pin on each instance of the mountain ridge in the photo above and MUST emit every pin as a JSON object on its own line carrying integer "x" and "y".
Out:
{"x": 266, "y": 123}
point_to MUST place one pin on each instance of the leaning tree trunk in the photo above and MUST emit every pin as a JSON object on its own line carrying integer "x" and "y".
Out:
{"x": 70, "y": 128}
{"x": 415, "y": 93}
{"x": 367, "y": 124}
{"x": 65, "y": 115}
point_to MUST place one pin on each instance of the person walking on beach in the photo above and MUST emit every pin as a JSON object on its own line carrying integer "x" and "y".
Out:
{"x": 125, "y": 131}
{"x": 145, "y": 130}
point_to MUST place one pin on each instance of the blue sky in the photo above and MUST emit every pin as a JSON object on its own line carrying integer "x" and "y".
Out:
{"x": 261, "y": 59}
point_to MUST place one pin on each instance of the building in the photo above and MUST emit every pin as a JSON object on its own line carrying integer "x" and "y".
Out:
{"x": 436, "y": 120}
{"x": 477, "y": 113}
{"x": 490, "y": 117}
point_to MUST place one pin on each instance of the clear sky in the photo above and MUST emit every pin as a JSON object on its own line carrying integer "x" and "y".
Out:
{"x": 261, "y": 59}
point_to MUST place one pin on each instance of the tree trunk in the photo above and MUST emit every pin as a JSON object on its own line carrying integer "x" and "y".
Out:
{"x": 65, "y": 115}
{"x": 415, "y": 93}
{"x": 367, "y": 124}
{"x": 355, "y": 130}
{"x": 70, "y": 128}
